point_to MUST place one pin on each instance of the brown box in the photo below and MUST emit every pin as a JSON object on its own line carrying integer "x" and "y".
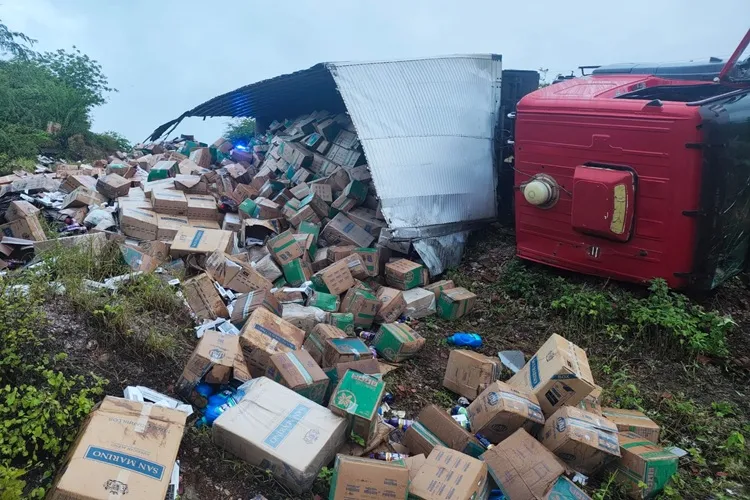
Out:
{"x": 203, "y": 223}
{"x": 356, "y": 266}
{"x": 285, "y": 248}
{"x": 362, "y": 304}
{"x": 196, "y": 240}
{"x": 633, "y": 421}
{"x": 245, "y": 305}
{"x": 342, "y": 230}
{"x": 113, "y": 186}
{"x": 316, "y": 341}
{"x": 123, "y": 447}
{"x": 450, "y": 475}
{"x": 166, "y": 201}
{"x": 27, "y": 228}
{"x": 583, "y": 440}
{"x": 168, "y": 225}
{"x": 234, "y": 274}
{"x": 468, "y": 373}
{"x": 522, "y": 467}
{"x": 202, "y": 207}
{"x": 203, "y": 298}
{"x": 141, "y": 224}
{"x": 217, "y": 359}
{"x": 20, "y": 209}
{"x": 340, "y": 252}
{"x": 231, "y": 222}
{"x": 644, "y": 467}
{"x": 435, "y": 427}
{"x": 191, "y": 184}
{"x": 336, "y": 278}
{"x": 264, "y": 335}
{"x": 323, "y": 191}
{"x": 356, "y": 478}
{"x": 298, "y": 371}
{"x": 455, "y": 303}
{"x": 82, "y": 197}
{"x": 169, "y": 165}
{"x": 344, "y": 350}
{"x": 405, "y": 274}
{"x": 305, "y": 213}
{"x": 558, "y": 374}
{"x": 366, "y": 219}
{"x": 593, "y": 403}
{"x": 392, "y": 305}
{"x": 72, "y": 182}
{"x": 201, "y": 156}
{"x": 500, "y": 410}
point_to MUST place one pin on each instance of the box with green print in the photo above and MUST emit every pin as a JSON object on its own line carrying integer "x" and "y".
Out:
{"x": 397, "y": 342}
{"x": 357, "y": 396}
{"x": 285, "y": 248}
{"x": 298, "y": 371}
{"x": 362, "y": 304}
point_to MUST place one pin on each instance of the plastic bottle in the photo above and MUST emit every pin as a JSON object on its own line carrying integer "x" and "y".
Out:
{"x": 400, "y": 423}
{"x": 366, "y": 336}
{"x": 484, "y": 441}
{"x": 204, "y": 389}
{"x": 387, "y": 456}
{"x": 459, "y": 410}
{"x": 463, "y": 401}
{"x": 389, "y": 398}
{"x": 462, "y": 420}
{"x": 463, "y": 339}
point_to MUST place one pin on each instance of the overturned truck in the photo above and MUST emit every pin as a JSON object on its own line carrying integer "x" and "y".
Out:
{"x": 424, "y": 128}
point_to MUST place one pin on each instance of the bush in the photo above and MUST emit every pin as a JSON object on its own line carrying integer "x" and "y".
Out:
{"x": 240, "y": 131}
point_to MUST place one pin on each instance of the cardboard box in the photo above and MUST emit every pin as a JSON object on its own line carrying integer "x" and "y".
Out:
{"x": 266, "y": 334}
{"x": 244, "y": 191}
{"x": 315, "y": 343}
{"x": 113, "y": 186}
{"x": 141, "y": 224}
{"x": 298, "y": 371}
{"x": 217, "y": 359}
{"x": 323, "y": 191}
{"x": 202, "y": 206}
{"x": 278, "y": 430}
{"x": 500, "y": 410}
{"x": 165, "y": 201}
{"x": 203, "y": 298}
{"x": 455, "y": 302}
{"x": 261, "y": 208}
{"x": 285, "y": 248}
{"x": 593, "y": 404}
{"x": 204, "y": 224}
{"x": 297, "y": 272}
{"x": 231, "y": 222}
{"x": 643, "y": 462}
{"x": 195, "y": 240}
{"x": 201, "y": 156}
{"x": 20, "y": 209}
{"x": 340, "y": 252}
{"x": 191, "y": 184}
{"x": 365, "y": 219}
{"x": 234, "y": 274}
{"x": 301, "y": 190}
{"x": 392, "y": 305}
{"x": 168, "y": 225}
{"x": 335, "y": 279}
{"x": 356, "y": 266}
{"x": 522, "y": 467}
{"x": 137, "y": 258}
{"x": 564, "y": 489}
{"x": 420, "y": 303}
{"x": 450, "y": 475}
{"x": 267, "y": 268}
{"x": 371, "y": 259}
{"x": 397, "y": 342}
{"x": 342, "y": 230}
{"x": 123, "y": 447}
{"x": 358, "y": 396}
{"x": 245, "y": 305}
{"x": 356, "y": 478}
{"x": 342, "y": 350}
{"x": 405, "y": 274}
{"x": 82, "y": 197}
{"x": 27, "y": 228}
{"x": 326, "y": 301}
{"x": 633, "y": 421}
{"x": 72, "y": 182}
{"x": 558, "y": 374}
{"x": 362, "y": 304}
{"x": 437, "y": 428}
{"x": 305, "y": 213}
{"x": 163, "y": 170}
{"x": 583, "y": 440}
{"x": 469, "y": 373}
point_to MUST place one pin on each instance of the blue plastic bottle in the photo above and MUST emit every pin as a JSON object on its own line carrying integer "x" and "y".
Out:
{"x": 463, "y": 339}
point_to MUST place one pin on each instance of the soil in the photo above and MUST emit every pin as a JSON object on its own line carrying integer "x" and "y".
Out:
{"x": 209, "y": 473}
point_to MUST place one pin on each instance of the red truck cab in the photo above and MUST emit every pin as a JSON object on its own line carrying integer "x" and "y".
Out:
{"x": 637, "y": 176}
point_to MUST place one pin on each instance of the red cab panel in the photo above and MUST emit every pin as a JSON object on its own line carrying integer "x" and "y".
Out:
{"x": 603, "y": 202}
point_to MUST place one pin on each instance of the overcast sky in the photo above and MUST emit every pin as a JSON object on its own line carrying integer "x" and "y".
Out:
{"x": 167, "y": 56}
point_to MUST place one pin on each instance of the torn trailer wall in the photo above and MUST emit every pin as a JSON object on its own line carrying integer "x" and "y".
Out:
{"x": 426, "y": 127}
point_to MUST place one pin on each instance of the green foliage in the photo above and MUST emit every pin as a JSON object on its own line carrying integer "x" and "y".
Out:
{"x": 42, "y": 404}
{"x": 110, "y": 141}
{"x": 78, "y": 71}
{"x": 326, "y": 474}
{"x": 240, "y": 130}
{"x": 16, "y": 44}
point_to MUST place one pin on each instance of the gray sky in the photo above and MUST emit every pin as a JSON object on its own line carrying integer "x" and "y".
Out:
{"x": 166, "y": 56}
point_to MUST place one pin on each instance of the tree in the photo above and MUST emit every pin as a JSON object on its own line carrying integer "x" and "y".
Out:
{"x": 78, "y": 71}
{"x": 15, "y": 43}
{"x": 240, "y": 131}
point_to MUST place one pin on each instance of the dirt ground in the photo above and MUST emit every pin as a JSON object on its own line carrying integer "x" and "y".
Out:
{"x": 208, "y": 473}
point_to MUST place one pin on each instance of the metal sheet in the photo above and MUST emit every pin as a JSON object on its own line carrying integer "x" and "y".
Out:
{"x": 427, "y": 128}
{"x": 442, "y": 252}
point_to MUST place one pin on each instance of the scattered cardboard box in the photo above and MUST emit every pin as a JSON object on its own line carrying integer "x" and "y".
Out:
{"x": 26, "y": 228}
{"x": 420, "y": 303}
{"x": 592, "y": 402}
{"x": 298, "y": 371}
{"x": 266, "y": 334}
{"x": 201, "y": 207}
{"x": 405, "y": 274}
{"x": 297, "y": 272}
{"x": 358, "y": 396}
{"x": 168, "y": 225}
{"x": 195, "y": 240}
{"x": 500, "y": 410}
{"x": 82, "y": 197}
{"x": 113, "y": 186}
{"x": 20, "y": 209}
{"x": 397, "y": 342}
{"x": 138, "y": 223}
{"x": 455, "y": 302}
{"x": 245, "y": 305}
{"x": 341, "y": 350}
{"x": 392, "y": 305}
{"x": 468, "y": 373}
{"x": 335, "y": 279}
{"x": 72, "y": 182}
{"x": 165, "y": 201}
{"x": 234, "y": 274}
{"x": 356, "y": 478}
{"x": 276, "y": 429}
{"x": 285, "y": 248}
{"x": 362, "y": 304}
{"x": 315, "y": 343}
{"x": 341, "y": 229}
{"x": 558, "y": 374}
{"x": 203, "y": 298}
{"x": 643, "y": 462}
{"x": 583, "y": 440}
{"x": 450, "y": 475}
{"x": 437, "y": 428}
{"x": 633, "y": 421}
